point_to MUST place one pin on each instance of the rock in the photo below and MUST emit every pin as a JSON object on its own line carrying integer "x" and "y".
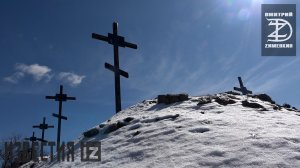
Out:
{"x": 121, "y": 124}
{"x": 285, "y": 105}
{"x": 251, "y": 105}
{"x": 224, "y": 100}
{"x": 172, "y": 98}
{"x": 204, "y": 100}
{"x": 264, "y": 97}
{"x": 115, "y": 126}
{"x": 128, "y": 119}
{"x": 101, "y": 125}
{"x": 152, "y": 101}
{"x": 111, "y": 128}
{"x": 161, "y": 99}
{"x": 136, "y": 133}
{"x": 183, "y": 97}
{"x": 90, "y": 133}
{"x": 161, "y": 118}
{"x": 295, "y": 108}
{"x": 275, "y": 107}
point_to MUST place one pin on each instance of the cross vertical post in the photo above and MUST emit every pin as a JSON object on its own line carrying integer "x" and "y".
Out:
{"x": 61, "y": 97}
{"x": 117, "y": 41}
{"x": 117, "y": 76}
{"x": 240, "y": 82}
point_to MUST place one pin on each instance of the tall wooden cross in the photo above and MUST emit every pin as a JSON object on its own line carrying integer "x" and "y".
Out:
{"x": 61, "y": 97}
{"x": 43, "y": 127}
{"x": 117, "y": 41}
{"x": 242, "y": 88}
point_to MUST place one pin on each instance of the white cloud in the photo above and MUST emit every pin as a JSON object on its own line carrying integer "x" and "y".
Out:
{"x": 14, "y": 78}
{"x": 42, "y": 73}
{"x": 38, "y": 72}
{"x": 70, "y": 78}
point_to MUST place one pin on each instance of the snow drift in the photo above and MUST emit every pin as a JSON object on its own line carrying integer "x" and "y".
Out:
{"x": 222, "y": 130}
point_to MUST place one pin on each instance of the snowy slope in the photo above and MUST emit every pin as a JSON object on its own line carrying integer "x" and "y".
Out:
{"x": 188, "y": 135}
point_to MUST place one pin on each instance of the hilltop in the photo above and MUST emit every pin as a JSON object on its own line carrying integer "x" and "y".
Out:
{"x": 221, "y": 130}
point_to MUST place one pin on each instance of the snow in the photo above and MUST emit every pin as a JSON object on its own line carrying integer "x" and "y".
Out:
{"x": 187, "y": 135}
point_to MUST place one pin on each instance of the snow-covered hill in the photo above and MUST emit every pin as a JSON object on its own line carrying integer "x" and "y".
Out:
{"x": 222, "y": 130}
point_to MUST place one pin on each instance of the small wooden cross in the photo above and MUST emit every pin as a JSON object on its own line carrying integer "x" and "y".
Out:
{"x": 32, "y": 139}
{"x": 242, "y": 88}
{"x": 61, "y": 97}
{"x": 43, "y": 127}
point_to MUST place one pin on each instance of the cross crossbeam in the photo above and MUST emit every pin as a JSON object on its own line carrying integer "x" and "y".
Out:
{"x": 117, "y": 41}
{"x": 60, "y": 97}
{"x": 242, "y": 88}
{"x": 118, "y": 71}
{"x": 32, "y": 138}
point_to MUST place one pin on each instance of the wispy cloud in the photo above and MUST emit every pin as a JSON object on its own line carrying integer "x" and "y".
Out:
{"x": 38, "y": 72}
{"x": 42, "y": 73}
{"x": 272, "y": 78}
{"x": 70, "y": 78}
{"x": 14, "y": 78}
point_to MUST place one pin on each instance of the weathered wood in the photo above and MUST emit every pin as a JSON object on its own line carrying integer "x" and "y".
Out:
{"x": 242, "y": 88}
{"x": 43, "y": 127}
{"x": 60, "y": 98}
{"x": 32, "y": 139}
{"x": 117, "y": 41}
{"x": 119, "y": 71}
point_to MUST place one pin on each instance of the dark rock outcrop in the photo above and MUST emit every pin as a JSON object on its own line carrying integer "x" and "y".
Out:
{"x": 264, "y": 97}
{"x": 90, "y": 133}
{"x": 119, "y": 124}
{"x": 136, "y": 133}
{"x": 101, "y": 125}
{"x": 161, "y": 118}
{"x": 113, "y": 127}
{"x": 172, "y": 98}
{"x": 276, "y": 107}
{"x": 285, "y": 105}
{"x": 224, "y": 101}
{"x": 252, "y": 105}
{"x": 204, "y": 100}
{"x": 128, "y": 119}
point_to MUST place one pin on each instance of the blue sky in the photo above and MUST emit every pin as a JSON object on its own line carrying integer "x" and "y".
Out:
{"x": 194, "y": 46}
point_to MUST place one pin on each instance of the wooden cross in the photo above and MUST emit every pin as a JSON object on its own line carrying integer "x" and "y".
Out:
{"x": 242, "y": 88}
{"x": 117, "y": 41}
{"x": 60, "y": 98}
{"x": 43, "y": 127}
{"x": 32, "y": 139}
